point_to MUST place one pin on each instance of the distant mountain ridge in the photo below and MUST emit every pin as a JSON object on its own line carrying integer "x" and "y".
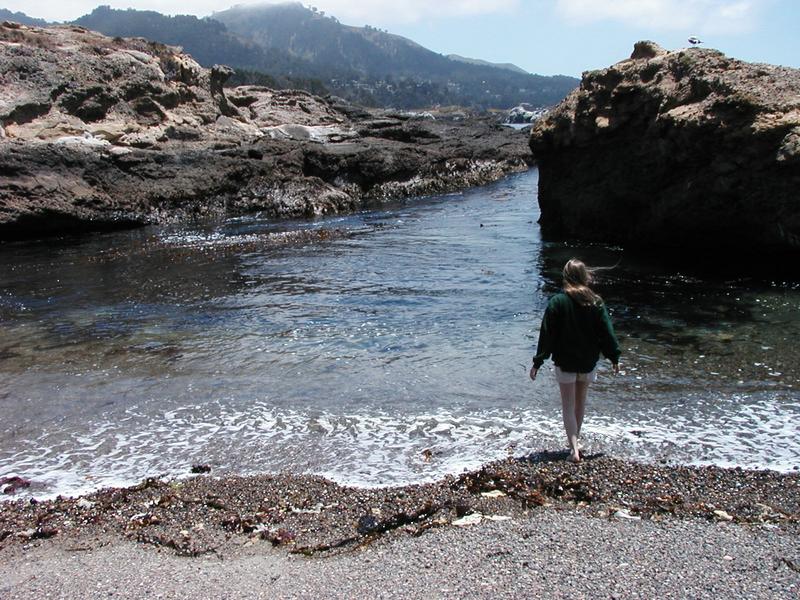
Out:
{"x": 486, "y": 63}
{"x": 401, "y": 71}
{"x": 18, "y": 17}
{"x": 322, "y": 39}
{"x": 289, "y": 45}
{"x": 208, "y": 41}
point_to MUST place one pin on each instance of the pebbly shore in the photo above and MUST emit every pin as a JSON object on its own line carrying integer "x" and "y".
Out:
{"x": 311, "y": 515}
{"x": 604, "y": 528}
{"x": 545, "y": 554}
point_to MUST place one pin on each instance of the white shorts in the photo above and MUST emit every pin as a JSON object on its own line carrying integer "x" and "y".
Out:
{"x": 569, "y": 377}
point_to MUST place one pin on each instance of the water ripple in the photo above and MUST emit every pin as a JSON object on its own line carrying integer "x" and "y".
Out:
{"x": 381, "y": 347}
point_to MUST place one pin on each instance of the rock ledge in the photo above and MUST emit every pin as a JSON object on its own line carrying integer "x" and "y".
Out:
{"x": 100, "y": 133}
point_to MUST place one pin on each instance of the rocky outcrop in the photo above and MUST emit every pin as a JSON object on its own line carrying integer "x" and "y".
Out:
{"x": 686, "y": 150}
{"x": 525, "y": 113}
{"x": 100, "y": 133}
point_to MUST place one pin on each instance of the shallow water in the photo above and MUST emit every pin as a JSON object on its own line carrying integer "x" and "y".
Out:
{"x": 349, "y": 345}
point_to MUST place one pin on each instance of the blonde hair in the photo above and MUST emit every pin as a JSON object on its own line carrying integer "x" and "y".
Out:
{"x": 577, "y": 279}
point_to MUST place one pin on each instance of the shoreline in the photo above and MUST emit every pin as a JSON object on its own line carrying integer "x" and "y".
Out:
{"x": 311, "y": 515}
{"x": 33, "y": 490}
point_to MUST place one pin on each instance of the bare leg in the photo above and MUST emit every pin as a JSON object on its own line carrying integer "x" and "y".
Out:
{"x": 570, "y": 422}
{"x": 581, "y": 390}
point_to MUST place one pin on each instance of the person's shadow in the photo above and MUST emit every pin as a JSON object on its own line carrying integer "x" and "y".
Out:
{"x": 545, "y": 456}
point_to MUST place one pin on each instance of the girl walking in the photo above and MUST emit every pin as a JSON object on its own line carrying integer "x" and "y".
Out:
{"x": 575, "y": 329}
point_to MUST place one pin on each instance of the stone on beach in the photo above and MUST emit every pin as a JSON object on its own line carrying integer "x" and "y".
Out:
{"x": 205, "y": 514}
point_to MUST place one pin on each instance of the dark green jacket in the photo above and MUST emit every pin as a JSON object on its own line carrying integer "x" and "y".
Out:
{"x": 575, "y": 335}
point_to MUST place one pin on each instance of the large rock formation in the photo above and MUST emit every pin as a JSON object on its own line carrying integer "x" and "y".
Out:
{"x": 102, "y": 133}
{"x": 687, "y": 150}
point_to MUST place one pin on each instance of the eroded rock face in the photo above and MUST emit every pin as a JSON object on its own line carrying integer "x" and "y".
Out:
{"x": 102, "y": 133}
{"x": 685, "y": 150}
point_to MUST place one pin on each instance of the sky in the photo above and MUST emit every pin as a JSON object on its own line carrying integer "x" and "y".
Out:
{"x": 549, "y": 37}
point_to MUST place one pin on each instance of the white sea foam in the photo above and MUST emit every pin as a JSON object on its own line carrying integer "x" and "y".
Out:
{"x": 756, "y": 433}
{"x": 353, "y": 358}
{"x": 374, "y": 448}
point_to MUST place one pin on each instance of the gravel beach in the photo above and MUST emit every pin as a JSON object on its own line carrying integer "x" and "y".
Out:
{"x": 535, "y": 526}
{"x": 549, "y": 554}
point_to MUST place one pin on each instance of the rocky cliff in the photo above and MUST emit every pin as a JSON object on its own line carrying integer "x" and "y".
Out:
{"x": 100, "y": 133}
{"x": 685, "y": 150}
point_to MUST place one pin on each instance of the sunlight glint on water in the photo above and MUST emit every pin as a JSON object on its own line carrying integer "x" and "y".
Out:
{"x": 347, "y": 346}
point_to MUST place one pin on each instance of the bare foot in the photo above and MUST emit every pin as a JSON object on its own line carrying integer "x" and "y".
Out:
{"x": 574, "y": 456}
{"x": 580, "y": 446}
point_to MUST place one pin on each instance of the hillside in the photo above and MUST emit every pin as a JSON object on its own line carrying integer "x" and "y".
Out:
{"x": 486, "y": 63}
{"x": 18, "y": 17}
{"x": 290, "y": 46}
{"x": 391, "y": 70}
{"x": 209, "y": 42}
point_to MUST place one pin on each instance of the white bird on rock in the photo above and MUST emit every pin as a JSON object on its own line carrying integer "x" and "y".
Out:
{"x": 694, "y": 41}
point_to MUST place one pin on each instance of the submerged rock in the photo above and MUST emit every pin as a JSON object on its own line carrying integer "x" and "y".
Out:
{"x": 10, "y": 485}
{"x": 99, "y": 133}
{"x": 685, "y": 150}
